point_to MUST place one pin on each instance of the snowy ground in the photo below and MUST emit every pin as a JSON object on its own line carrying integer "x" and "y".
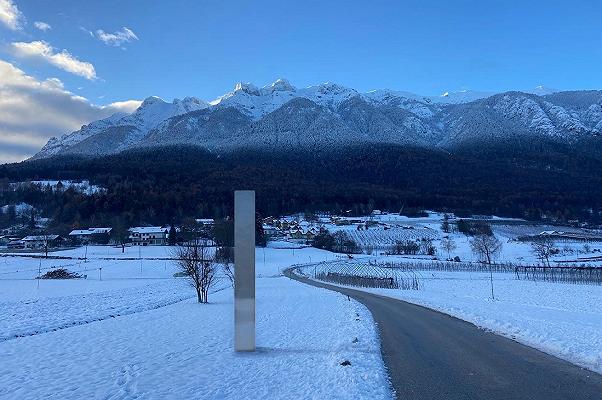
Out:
{"x": 137, "y": 334}
{"x": 131, "y": 330}
{"x": 564, "y": 320}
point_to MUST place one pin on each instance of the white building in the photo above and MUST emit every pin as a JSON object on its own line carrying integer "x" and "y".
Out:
{"x": 149, "y": 235}
{"x": 91, "y": 234}
{"x": 40, "y": 241}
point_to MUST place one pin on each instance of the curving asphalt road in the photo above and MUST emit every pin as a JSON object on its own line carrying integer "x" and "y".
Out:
{"x": 430, "y": 355}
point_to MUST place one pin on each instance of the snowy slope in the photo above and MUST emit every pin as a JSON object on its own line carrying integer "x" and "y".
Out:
{"x": 151, "y": 112}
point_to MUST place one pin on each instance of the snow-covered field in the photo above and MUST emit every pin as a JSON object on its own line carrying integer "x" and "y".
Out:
{"x": 381, "y": 238}
{"x": 387, "y": 229}
{"x": 137, "y": 333}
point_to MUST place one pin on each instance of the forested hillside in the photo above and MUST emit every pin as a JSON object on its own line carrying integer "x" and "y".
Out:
{"x": 170, "y": 184}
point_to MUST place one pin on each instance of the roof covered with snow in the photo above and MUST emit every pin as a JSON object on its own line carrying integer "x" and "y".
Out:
{"x": 90, "y": 231}
{"x": 148, "y": 229}
{"x": 39, "y": 238}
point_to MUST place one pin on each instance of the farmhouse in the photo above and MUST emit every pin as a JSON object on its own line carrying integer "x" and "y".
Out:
{"x": 271, "y": 230}
{"x": 303, "y": 234}
{"x": 16, "y": 244}
{"x": 91, "y": 235}
{"x": 149, "y": 235}
{"x": 572, "y": 236}
{"x": 41, "y": 241}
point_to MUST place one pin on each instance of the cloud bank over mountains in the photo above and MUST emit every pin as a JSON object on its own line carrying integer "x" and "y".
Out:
{"x": 33, "y": 110}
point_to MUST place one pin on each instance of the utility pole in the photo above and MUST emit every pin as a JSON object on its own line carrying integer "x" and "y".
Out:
{"x": 140, "y": 257}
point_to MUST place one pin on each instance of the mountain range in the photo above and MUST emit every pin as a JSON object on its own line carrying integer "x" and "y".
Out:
{"x": 281, "y": 117}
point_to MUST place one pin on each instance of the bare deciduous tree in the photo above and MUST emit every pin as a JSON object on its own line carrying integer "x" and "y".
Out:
{"x": 46, "y": 239}
{"x": 196, "y": 262}
{"x": 448, "y": 245}
{"x": 544, "y": 248}
{"x": 486, "y": 248}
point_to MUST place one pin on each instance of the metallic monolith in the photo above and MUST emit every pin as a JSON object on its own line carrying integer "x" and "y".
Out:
{"x": 244, "y": 270}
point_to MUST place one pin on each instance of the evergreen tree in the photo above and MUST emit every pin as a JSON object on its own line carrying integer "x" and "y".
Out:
{"x": 260, "y": 237}
{"x": 172, "y": 236}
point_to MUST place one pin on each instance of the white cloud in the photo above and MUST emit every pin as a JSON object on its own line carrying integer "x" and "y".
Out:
{"x": 87, "y": 31}
{"x": 127, "y": 106}
{"x": 31, "y": 111}
{"x": 10, "y": 15}
{"x": 125, "y": 35}
{"x": 63, "y": 60}
{"x": 43, "y": 26}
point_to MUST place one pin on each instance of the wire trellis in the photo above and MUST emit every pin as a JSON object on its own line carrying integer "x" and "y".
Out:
{"x": 406, "y": 274}
{"x": 365, "y": 274}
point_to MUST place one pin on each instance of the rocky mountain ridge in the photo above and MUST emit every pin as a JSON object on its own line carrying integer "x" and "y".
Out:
{"x": 282, "y": 117}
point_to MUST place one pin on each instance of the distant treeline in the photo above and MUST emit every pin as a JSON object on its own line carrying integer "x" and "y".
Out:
{"x": 170, "y": 184}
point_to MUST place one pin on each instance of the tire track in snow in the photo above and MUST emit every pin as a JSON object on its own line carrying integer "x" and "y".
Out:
{"x": 72, "y": 324}
{"x": 41, "y": 316}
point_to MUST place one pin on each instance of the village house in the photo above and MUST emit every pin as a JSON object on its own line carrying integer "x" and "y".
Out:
{"x": 571, "y": 236}
{"x": 91, "y": 235}
{"x": 16, "y": 244}
{"x": 149, "y": 235}
{"x": 41, "y": 241}
{"x": 270, "y": 230}
{"x": 302, "y": 234}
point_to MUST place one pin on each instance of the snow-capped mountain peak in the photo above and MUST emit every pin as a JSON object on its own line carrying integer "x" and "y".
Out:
{"x": 280, "y": 85}
{"x": 248, "y": 88}
{"x": 541, "y": 90}
{"x": 155, "y": 110}
{"x": 461, "y": 96}
{"x": 151, "y": 100}
{"x": 189, "y": 104}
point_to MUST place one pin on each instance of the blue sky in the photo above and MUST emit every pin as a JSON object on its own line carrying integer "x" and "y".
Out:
{"x": 202, "y": 48}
